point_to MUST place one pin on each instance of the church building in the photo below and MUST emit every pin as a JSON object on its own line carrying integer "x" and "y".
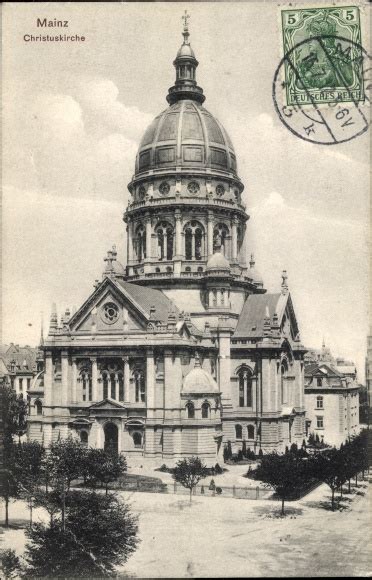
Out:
{"x": 182, "y": 349}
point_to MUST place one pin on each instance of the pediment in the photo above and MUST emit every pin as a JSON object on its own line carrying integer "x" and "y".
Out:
{"x": 108, "y": 310}
{"x": 80, "y": 421}
{"x": 106, "y": 405}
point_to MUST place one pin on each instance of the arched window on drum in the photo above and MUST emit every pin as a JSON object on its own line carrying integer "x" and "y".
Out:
{"x": 194, "y": 240}
{"x": 220, "y": 239}
{"x": 165, "y": 237}
{"x": 141, "y": 242}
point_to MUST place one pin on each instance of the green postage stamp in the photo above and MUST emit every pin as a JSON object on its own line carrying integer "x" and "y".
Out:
{"x": 323, "y": 56}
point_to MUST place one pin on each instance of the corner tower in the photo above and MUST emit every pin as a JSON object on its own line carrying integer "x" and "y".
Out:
{"x": 185, "y": 204}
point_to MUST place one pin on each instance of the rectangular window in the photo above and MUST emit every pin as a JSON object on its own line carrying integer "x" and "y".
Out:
{"x": 319, "y": 403}
{"x": 28, "y": 384}
{"x": 319, "y": 382}
{"x": 21, "y": 384}
{"x": 319, "y": 423}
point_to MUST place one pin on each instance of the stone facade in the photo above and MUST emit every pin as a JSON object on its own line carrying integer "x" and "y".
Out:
{"x": 182, "y": 350}
{"x": 332, "y": 403}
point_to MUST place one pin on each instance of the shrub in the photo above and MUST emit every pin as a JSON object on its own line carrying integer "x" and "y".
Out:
{"x": 227, "y": 451}
{"x": 218, "y": 490}
{"x": 10, "y": 564}
{"x": 244, "y": 449}
{"x": 218, "y": 469}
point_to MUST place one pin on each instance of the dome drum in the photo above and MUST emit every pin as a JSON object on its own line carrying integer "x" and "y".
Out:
{"x": 192, "y": 186}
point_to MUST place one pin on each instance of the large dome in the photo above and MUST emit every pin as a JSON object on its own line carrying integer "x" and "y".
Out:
{"x": 186, "y": 135}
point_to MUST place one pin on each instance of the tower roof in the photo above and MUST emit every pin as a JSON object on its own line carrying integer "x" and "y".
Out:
{"x": 186, "y": 135}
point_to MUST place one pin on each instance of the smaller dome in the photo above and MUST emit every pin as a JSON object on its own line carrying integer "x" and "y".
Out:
{"x": 218, "y": 262}
{"x": 199, "y": 381}
{"x": 118, "y": 268}
{"x": 185, "y": 50}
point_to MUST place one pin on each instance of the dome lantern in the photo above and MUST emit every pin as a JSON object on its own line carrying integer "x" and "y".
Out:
{"x": 185, "y": 63}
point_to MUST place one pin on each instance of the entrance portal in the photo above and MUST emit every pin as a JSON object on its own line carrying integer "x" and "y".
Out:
{"x": 111, "y": 437}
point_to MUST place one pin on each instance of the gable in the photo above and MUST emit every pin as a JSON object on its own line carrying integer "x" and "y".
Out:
{"x": 106, "y": 405}
{"x": 107, "y": 311}
{"x": 288, "y": 324}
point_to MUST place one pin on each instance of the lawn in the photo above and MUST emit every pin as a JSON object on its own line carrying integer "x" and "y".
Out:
{"x": 216, "y": 537}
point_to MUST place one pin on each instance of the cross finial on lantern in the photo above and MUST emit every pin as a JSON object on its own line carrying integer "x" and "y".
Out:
{"x": 185, "y": 33}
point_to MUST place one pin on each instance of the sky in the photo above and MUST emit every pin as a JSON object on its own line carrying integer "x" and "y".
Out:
{"x": 74, "y": 114}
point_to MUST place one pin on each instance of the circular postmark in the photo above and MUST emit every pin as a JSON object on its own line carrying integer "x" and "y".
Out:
{"x": 323, "y": 107}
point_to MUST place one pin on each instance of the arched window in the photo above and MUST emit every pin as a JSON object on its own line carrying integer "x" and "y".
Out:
{"x": 319, "y": 402}
{"x": 121, "y": 387}
{"x": 165, "y": 235}
{"x": 238, "y": 432}
{"x": 105, "y": 386}
{"x": 139, "y": 385}
{"x": 39, "y": 407}
{"x": 141, "y": 243}
{"x": 84, "y": 438}
{"x": 240, "y": 237}
{"x": 194, "y": 240}
{"x": 283, "y": 382}
{"x": 250, "y": 430}
{"x": 137, "y": 439}
{"x": 245, "y": 388}
{"x": 205, "y": 411}
{"x": 113, "y": 385}
{"x": 220, "y": 235}
{"x": 190, "y": 410}
{"x": 86, "y": 380}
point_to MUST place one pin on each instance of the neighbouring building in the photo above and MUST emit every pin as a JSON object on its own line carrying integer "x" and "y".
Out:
{"x": 183, "y": 349}
{"x": 331, "y": 401}
{"x": 369, "y": 369}
{"x": 18, "y": 366}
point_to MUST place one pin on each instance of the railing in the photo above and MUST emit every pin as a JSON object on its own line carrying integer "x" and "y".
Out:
{"x": 187, "y": 200}
{"x": 252, "y": 493}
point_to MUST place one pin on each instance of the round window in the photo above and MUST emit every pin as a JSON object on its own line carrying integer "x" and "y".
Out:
{"x": 110, "y": 312}
{"x": 164, "y": 188}
{"x": 141, "y": 192}
{"x": 220, "y": 190}
{"x": 193, "y": 187}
